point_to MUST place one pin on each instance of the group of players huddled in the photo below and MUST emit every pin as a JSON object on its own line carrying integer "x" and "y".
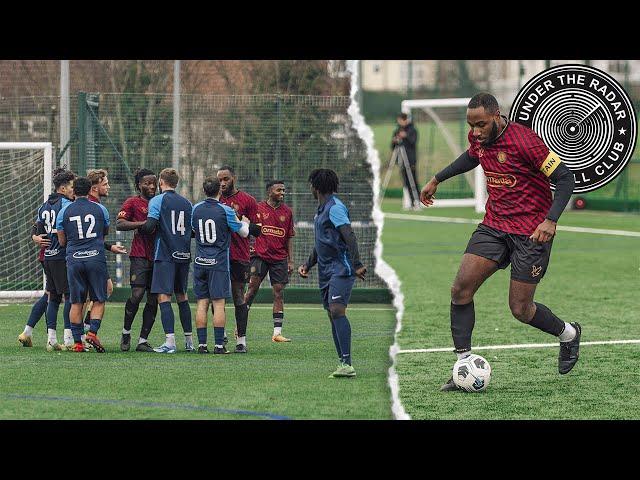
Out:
{"x": 72, "y": 224}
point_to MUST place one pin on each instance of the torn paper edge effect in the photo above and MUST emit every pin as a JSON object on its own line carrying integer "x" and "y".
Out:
{"x": 383, "y": 269}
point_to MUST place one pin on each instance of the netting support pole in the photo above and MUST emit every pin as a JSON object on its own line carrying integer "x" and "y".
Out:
{"x": 65, "y": 121}
{"x": 48, "y": 170}
{"x": 175, "y": 159}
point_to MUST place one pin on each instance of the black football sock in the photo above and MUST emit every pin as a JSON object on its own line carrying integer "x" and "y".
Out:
{"x": 545, "y": 320}
{"x": 463, "y": 319}
{"x": 148, "y": 318}
{"x": 278, "y": 318}
{"x": 242, "y": 317}
{"x": 130, "y": 310}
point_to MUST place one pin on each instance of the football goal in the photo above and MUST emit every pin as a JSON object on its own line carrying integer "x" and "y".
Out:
{"x": 443, "y": 129}
{"x": 25, "y": 179}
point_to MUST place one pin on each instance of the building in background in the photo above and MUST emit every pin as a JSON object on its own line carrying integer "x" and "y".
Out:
{"x": 503, "y": 78}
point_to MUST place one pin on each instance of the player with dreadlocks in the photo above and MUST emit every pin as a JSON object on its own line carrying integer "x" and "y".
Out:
{"x": 336, "y": 253}
{"x": 132, "y": 215}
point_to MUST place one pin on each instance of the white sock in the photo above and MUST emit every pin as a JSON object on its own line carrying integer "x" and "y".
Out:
{"x": 463, "y": 355}
{"x": 568, "y": 333}
{"x": 142, "y": 340}
{"x": 202, "y": 345}
{"x": 171, "y": 339}
{"x": 28, "y": 330}
{"x": 277, "y": 331}
{"x": 241, "y": 341}
{"x": 68, "y": 336}
{"x": 53, "y": 338}
{"x": 126, "y": 332}
{"x": 188, "y": 337}
{"x": 219, "y": 346}
{"x": 83, "y": 338}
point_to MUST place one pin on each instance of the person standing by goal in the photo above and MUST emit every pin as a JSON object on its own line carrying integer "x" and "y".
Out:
{"x": 518, "y": 227}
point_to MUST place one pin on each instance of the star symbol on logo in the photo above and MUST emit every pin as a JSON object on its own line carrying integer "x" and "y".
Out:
{"x": 622, "y": 131}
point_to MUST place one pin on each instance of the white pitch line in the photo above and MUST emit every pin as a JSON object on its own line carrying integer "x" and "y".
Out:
{"x": 524, "y": 345}
{"x": 562, "y": 228}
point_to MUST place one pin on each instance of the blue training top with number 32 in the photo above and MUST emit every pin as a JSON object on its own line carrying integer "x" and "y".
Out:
{"x": 84, "y": 224}
{"x": 213, "y": 223}
{"x": 173, "y": 239}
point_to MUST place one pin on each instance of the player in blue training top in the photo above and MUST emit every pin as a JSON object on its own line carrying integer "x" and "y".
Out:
{"x": 54, "y": 263}
{"x": 336, "y": 253}
{"x": 82, "y": 226}
{"x": 170, "y": 214}
{"x": 213, "y": 223}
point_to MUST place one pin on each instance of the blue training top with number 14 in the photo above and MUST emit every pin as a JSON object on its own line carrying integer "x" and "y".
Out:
{"x": 173, "y": 238}
{"x": 84, "y": 224}
{"x": 213, "y": 223}
{"x": 333, "y": 257}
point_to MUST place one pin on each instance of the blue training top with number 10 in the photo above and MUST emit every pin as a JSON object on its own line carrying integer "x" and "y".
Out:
{"x": 213, "y": 223}
{"x": 173, "y": 238}
{"x": 84, "y": 224}
{"x": 333, "y": 257}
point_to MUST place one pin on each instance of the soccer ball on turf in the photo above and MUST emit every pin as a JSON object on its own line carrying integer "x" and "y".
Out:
{"x": 472, "y": 373}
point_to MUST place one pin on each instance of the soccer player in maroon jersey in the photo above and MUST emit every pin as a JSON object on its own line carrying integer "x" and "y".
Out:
{"x": 244, "y": 205}
{"x": 518, "y": 227}
{"x": 132, "y": 215}
{"x": 273, "y": 252}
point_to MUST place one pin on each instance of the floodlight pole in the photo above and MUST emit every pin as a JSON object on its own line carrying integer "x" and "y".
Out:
{"x": 175, "y": 162}
{"x": 65, "y": 121}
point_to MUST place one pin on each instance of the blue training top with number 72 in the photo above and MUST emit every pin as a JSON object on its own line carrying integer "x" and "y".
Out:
{"x": 84, "y": 224}
{"x": 213, "y": 223}
{"x": 173, "y": 238}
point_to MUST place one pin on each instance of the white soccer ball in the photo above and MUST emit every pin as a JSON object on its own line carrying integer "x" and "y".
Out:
{"x": 472, "y": 373}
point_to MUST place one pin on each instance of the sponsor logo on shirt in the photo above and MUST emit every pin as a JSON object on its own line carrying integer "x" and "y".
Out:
{"x": 500, "y": 179}
{"x": 273, "y": 231}
{"x": 181, "y": 255}
{"x": 85, "y": 254}
{"x": 51, "y": 253}
{"x": 206, "y": 261}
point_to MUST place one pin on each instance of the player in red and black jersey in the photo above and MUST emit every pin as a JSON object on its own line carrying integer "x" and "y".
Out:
{"x": 244, "y": 205}
{"x": 518, "y": 227}
{"x": 273, "y": 252}
{"x": 132, "y": 215}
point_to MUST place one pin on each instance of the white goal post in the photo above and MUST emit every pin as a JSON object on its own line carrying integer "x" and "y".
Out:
{"x": 476, "y": 178}
{"x": 25, "y": 174}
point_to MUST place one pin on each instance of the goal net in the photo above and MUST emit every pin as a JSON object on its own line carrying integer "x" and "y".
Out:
{"x": 24, "y": 169}
{"x": 443, "y": 130}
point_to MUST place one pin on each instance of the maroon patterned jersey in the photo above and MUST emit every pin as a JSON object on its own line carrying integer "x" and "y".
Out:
{"x": 517, "y": 165}
{"x": 243, "y": 204}
{"x": 135, "y": 209}
{"x": 277, "y": 229}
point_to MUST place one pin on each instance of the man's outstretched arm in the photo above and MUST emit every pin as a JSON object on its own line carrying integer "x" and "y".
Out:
{"x": 462, "y": 164}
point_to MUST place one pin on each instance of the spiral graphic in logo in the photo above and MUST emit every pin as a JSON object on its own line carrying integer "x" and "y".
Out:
{"x": 585, "y": 116}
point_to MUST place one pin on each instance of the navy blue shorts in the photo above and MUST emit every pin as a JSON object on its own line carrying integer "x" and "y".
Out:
{"x": 338, "y": 290}
{"x": 87, "y": 277}
{"x": 169, "y": 277}
{"x": 211, "y": 284}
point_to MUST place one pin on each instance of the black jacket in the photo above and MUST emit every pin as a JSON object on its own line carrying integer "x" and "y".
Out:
{"x": 409, "y": 142}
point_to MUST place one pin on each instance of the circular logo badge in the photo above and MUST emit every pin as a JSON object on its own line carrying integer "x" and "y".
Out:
{"x": 583, "y": 115}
